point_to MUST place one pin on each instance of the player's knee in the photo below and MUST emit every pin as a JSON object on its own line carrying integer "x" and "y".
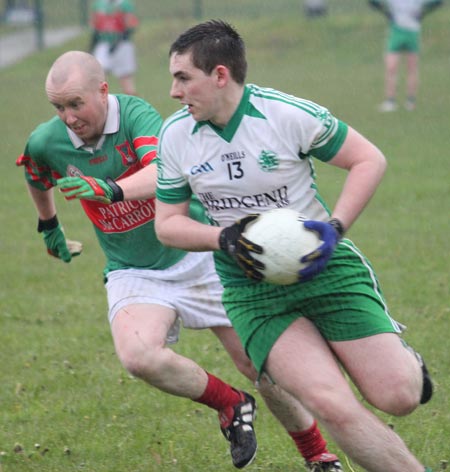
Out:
{"x": 142, "y": 363}
{"x": 131, "y": 361}
{"x": 391, "y": 69}
{"x": 400, "y": 403}
{"x": 398, "y": 400}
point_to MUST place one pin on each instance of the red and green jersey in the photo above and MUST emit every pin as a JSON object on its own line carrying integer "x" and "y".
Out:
{"x": 125, "y": 229}
{"x": 111, "y": 18}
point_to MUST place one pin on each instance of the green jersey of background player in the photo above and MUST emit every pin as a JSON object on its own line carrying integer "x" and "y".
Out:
{"x": 248, "y": 149}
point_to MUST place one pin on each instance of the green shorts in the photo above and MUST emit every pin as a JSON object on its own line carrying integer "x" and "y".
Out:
{"x": 402, "y": 40}
{"x": 344, "y": 302}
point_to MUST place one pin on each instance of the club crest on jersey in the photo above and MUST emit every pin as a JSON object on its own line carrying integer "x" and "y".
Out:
{"x": 128, "y": 156}
{"x": 324, "y": 116}
{"x": 73, "y": 171}
{"x": 268, "y": 161}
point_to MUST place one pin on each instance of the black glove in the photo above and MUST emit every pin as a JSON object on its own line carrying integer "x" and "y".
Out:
{"x": 113, "y": 46}
{"x": 127, "y": 34}
{"x": 238, "y": 247}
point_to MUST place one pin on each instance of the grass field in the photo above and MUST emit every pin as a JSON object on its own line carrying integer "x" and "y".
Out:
{"x": 67, "y": 404}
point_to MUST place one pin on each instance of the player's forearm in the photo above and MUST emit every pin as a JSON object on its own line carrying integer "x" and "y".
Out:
{"x": 44, "y": 202}
{"x": 141, "y": 185}
{"x": 429, "y": 7}
{"x": 365, "y": 165}
{"x": 181, "y": 231}
{"x": 380, "y": 6}
{"x": 359, "y": 187}
{"x": 377, "y": 5}
{"x": 184, "y": 233}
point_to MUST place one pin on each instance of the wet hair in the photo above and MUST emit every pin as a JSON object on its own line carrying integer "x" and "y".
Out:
{"x": 214, "y": 43}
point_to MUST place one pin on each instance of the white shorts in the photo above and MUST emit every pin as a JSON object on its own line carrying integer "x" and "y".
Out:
{"x": 121, "y": 62}
{"x": 191, "y": 288}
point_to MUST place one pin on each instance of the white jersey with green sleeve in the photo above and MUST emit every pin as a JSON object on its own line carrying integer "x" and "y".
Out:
{"x": 407, "y": 14}
{"x": 261, "y": 160}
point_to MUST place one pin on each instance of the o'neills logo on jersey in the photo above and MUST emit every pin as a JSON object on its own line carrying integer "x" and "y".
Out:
{"x": 278, "y": 197}
{"x": 232, "y": 156}
{"x": 120, "y": 217}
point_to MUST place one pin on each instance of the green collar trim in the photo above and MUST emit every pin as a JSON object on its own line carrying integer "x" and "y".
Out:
{"x": 244, "y": 108}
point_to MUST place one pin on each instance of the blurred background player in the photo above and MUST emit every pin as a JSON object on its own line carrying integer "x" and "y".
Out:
{"x": 113, "y": 23}
{"x": 405, "y": 18}
{"x": 315, "y": 8}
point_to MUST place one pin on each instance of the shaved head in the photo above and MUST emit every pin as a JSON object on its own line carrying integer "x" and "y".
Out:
{"x": 77, "y": 66}
{"x": 77, "y": 88}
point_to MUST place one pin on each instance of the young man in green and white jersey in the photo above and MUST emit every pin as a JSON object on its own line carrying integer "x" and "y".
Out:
{"x": 405, "y": 23}
{"x": 101, "y": 149}
{"x": 242, "y": 150}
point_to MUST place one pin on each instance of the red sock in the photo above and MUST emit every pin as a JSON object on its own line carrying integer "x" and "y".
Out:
{"x": 310, "y": 442}
{"x": 219, "y": 395}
